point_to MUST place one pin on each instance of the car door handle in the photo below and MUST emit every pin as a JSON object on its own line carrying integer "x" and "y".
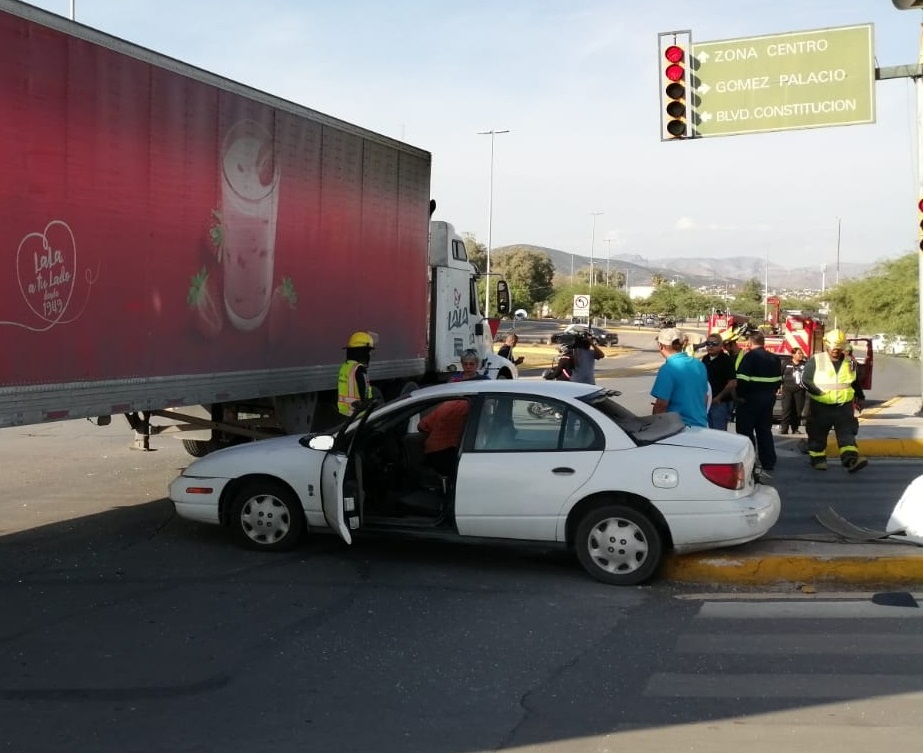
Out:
{"x": 562, "y": 471}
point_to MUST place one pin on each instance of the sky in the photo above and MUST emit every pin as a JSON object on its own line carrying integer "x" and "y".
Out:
{"x": 576, "y": 83}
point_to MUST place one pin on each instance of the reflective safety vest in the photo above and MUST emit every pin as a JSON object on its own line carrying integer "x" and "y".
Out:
{"x": 348, "y": 389}
{"x": 836, "y": 385}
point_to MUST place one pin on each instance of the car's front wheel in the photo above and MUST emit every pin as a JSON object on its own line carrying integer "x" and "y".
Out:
{"x": 619, "y": 545}
{"x": 266, "y": 515}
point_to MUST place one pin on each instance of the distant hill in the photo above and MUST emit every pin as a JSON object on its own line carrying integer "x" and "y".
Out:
{"x": 699, "y": 271}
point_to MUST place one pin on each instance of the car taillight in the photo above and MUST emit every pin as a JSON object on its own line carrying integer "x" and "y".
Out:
{"x": 726, "y": 475}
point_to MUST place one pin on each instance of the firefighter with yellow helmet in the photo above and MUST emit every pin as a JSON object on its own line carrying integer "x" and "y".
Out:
{"x": 832, "y": 383}
{"x": 353, "y": 384}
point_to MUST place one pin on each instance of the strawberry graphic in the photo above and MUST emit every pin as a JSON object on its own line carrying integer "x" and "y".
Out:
{"x": 265, "y": 163}
{"x": 204, "y": 300}
{"x": 282, "y": 310}
{"x": 216, "y": 234}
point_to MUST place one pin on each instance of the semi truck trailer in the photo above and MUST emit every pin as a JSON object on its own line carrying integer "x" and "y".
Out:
{"x": 170, "y": 238}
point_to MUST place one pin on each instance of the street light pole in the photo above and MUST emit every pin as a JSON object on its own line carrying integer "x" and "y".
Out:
{"x": 490, "y": 213}
{"x": 608, "y": 258}
{"x": 73, "y": 10}
{"x": 838, "y": 224}
{"x": 594, "y": 215}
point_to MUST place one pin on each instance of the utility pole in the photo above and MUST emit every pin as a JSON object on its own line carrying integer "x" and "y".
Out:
{"x": 608, "y": 258}
{"x": 490, "y": 213}
{"x": 838, "y": 225}
{"x": 594, "y": 215}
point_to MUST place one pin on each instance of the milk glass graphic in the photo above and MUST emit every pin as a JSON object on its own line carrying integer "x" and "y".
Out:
{"x": 249, "y": 199}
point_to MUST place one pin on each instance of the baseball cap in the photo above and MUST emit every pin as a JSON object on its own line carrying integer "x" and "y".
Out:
{"x": 669, "y": 336}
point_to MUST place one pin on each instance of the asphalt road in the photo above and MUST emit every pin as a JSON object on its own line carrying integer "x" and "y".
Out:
{"x": 131, "y": 631}
{"x": 127, "y": 629}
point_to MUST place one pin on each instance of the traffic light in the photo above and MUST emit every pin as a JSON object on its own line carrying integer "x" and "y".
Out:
{"x": 920, "y": 222}
{"x": 674, "y": 92}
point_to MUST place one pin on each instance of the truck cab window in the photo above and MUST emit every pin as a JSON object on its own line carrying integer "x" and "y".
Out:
{"x": 459, "y": 252}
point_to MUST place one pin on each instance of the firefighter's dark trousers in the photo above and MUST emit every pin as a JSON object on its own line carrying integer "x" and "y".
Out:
{"x": 821, "y": 418}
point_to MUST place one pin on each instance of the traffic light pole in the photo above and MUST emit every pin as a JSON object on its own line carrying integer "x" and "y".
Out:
{"x": 917, "y": 76}
{"x": 918, "y": 85}
{"x": 916, "y": 73}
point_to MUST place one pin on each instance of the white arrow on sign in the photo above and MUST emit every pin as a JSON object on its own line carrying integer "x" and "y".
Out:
{"x": 705, "y": 116}
{"x": 704, "y": 88}
{"x": 703, "y": 56}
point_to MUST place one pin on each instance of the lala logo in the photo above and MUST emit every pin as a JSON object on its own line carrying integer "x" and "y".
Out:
{"x": 46, "y": 265}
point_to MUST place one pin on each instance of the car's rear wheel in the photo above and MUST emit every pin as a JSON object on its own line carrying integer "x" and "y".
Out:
{"x": 266, "y": 515}
{"x": 619, "y": 545}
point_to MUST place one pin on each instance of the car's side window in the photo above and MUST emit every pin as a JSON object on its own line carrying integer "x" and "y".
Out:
{"x": 515, "y": 424}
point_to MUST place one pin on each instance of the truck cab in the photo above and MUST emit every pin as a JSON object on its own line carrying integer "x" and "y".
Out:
{"x": 456, "y": 320}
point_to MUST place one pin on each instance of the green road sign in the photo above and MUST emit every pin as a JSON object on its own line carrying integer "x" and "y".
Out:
{"x": 780, "y": 82}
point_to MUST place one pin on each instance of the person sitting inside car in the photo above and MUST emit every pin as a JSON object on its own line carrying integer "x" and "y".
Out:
{"x": 444, "y": 426}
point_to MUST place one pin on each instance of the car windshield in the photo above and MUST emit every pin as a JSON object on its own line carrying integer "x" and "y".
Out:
{"x": 642, "y": 429}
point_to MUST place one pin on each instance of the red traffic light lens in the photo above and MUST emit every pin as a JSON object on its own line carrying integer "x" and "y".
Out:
{"x": 674, "y": 53}
{"x": 675, "y": 72}
{"x": 920, "y": 205}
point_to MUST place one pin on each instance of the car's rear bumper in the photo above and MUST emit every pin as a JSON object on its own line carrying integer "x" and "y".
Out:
{"x": 734, "y": 522}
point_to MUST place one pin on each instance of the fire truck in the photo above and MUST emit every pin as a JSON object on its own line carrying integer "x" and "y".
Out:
{"x": 795, "y": 330}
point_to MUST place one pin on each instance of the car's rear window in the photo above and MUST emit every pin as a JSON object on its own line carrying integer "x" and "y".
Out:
{"x": 642, "y": 429}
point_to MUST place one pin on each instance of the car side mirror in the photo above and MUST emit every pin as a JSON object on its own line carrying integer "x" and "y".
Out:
{"x": 323, "y": 442}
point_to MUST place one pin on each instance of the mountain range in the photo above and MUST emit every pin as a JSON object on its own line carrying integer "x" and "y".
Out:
{"x": 701, "y": 271}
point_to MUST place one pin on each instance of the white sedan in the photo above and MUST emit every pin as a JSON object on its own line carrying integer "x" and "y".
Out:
{"x": 529, "y": 461}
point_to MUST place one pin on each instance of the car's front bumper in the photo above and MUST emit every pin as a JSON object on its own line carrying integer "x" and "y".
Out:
{"x": 200, "y": 505}
{"x": 726, "y": 524}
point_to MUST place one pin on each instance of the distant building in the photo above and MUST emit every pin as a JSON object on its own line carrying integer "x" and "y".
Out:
{"x": 642, "y": 292}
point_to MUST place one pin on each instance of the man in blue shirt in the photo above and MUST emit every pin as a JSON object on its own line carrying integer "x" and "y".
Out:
{"x": 681, "y": 384}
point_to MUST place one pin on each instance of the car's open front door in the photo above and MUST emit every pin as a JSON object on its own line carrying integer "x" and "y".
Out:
{"x": 333, "y": 475}
{"x": 341, "y": 479}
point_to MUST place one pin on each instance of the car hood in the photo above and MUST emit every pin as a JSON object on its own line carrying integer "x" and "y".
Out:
{"x": 264, "y": 456}
{"x": 709, "y": 439}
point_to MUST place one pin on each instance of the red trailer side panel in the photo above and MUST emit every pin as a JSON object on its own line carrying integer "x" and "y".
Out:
{"x": 153, "y": 224}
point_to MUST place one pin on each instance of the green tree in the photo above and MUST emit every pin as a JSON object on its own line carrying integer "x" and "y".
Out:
{"x": 887, "y": 300}
{"x": 604, "y": 302}
{"x": 477, "y": 252}
{"x": 529, "y": 274}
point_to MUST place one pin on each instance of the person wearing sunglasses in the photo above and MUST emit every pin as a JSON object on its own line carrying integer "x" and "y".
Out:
{"x": 723, "y": 379}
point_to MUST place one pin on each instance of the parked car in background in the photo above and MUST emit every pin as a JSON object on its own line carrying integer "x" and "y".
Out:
{"x": 602, "y": 337}
{"x": 550, "y": 462}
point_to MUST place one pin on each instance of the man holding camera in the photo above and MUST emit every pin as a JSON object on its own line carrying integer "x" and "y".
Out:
{"x": 586, "y": 354}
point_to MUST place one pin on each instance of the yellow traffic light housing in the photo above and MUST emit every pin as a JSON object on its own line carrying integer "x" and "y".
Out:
{"x": 673, "y": 51}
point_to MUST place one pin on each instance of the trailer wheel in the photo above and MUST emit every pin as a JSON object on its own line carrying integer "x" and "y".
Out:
{"x": 199, "y": 448}
{"x": 265, "y": 514}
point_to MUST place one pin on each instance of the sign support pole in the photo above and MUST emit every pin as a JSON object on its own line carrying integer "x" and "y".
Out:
{"x": 918, "y": 85}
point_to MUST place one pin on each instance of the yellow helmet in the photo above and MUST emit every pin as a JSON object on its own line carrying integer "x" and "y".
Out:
{"x": 835, "y": 339}
{"x": 361, "y": 340}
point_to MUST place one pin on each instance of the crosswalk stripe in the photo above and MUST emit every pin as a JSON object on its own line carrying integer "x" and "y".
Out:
{"x": 813, "y": 610}
{"x": 852, "y": 644}
{"x": 828, "y": 686}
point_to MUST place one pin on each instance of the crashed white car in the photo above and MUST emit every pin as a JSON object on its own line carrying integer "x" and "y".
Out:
{"x": 535, "y": 461}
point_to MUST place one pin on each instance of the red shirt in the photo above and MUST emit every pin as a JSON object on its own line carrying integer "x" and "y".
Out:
{"x": 444, "y": 425}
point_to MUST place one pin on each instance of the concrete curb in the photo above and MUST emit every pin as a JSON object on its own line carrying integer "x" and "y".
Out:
{"x": 772, "y": 562}
{"x": 882, "y": 447}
